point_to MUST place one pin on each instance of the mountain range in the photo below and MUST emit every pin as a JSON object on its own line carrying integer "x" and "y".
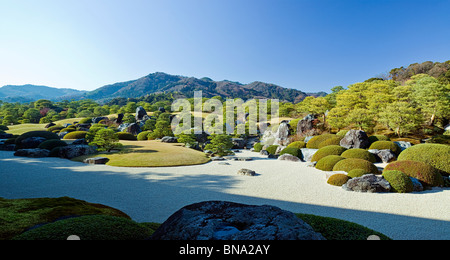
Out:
{"x": 157, "y": 83}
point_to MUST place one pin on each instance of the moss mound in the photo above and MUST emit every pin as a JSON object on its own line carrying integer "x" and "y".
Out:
{"x": 298, "y": 144}
{"x": 18, "y": 215}
{"x": 327, "y": 150}
{"x": 44, "y": 134}
{"x": 359, "y": 154}
{"x": 425, "y": 173}
{"x": 335, "y": 140}
{"x": 292, "y": 151}
{"x": 75, "y": 135}
{"x": 338, "y": 179}
{"x": 355, "y": 173}
{"x": 375, "y": 138}
{"x": 328, "y": 162}
{"x": 382, "y": 145}
{"x": 272, "y": 149}
{"x": 50, "y": 144}
{"x": 316, "y": 140}
{"x": 258, "y": 147}
{"x": 436, "y": 155}
{"x": 350, "y": 164}
{"x": 399, "y": 181}
{"x": 143, "y": 136}
{"x": 89, "y": 228}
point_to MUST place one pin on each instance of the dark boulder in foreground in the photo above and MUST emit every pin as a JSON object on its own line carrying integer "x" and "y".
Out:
{"x": 220, "y": 220}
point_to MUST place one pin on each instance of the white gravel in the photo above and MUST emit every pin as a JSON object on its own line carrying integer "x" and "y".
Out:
{"x": 153, "y": 194}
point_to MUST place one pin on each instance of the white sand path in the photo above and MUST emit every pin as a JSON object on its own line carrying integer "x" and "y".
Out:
{"x": 153, "y": 194}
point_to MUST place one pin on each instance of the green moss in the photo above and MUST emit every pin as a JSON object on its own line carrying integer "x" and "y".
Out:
{"x": 425, "y": 173}
{"x": 89, "y": 228}
{"x": 292, "y": 151}
{"x": 327, "y": 163}
{"x": 258, "y": 147}
{"x": 50, "y": 144}
{"x": 399, "y": 181}
{"x": 337, "y": 229}
{"x": 327, "y": 150}
{"x": 298, "y": 144}
{"x": 382, "y": 145}
{"x": 143, "y": 136}
{"x": 349, "y": 164}
{"x": 439, "y": 139}
{"x": 75, "y": 135}
{"x": 342, "y": 133}
{"x": 359, "y": 154}
{"x": 335, "y": 140}
{"x": 355, "y": 173}
{"x": 375, "y": 138}
{"x": 316, "y": 140}
{"x": 436, "y": 155}
{"x": 272, "y": 149}
{"x": 45, "y": 134}
{"x": 338, "y": 179}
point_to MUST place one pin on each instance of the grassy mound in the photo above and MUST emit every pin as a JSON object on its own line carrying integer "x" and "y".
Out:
{"x": 436, "y": 155}
{"x": 292, "y": 151}
{"x": 399, "y": 181}
{"x": 18, "y": 215}
{"x": 328, "y": 162}
{"x": 359, "y": 154}
{"x": 349, "y": 164}
{"x": 425, "y": 173}
{"x": 89, "y": 228}
{"x": 297, "y": 144}
{"x": 355, "y": 173}
{"x": 335, "y": 140}
{"x": 382, "y": 145}
{"x": 338, "y": 179}
{"x": 75, "y": 135}
{"x": 316, "y": 140}
{"x": 44, "y": 134}
{"x": 327, "y": 150}
{"x": 50, "y": 144}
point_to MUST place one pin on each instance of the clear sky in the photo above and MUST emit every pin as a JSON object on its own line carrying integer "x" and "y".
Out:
{"x": 310, "y": 45}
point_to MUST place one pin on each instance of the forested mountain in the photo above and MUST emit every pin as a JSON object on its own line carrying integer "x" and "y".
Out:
{"x": 29, "y": 93}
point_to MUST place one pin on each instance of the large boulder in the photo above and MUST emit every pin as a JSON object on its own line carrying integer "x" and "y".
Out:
{"x": 384, "y": 155}
{"x": 307, "y": 153}
{"x": 134, "y": 129}
{"x": 169, "y": 139}
{"x": 238, "y": 143}
{"x": 289, "y": 157}
{"x": 220, "y": 220}
{"x": 140, "y": 113}
{"x": 33, "y": 153}
{"x": 97, "y": 120}
{"x": 72, "y": 151}
{"x": 355, "y": 139}
{"x": 305, "y": 127}
{"x": 32, "y": 142}
{"x": 367, "y": 183}
{"x": 282, "y": 135}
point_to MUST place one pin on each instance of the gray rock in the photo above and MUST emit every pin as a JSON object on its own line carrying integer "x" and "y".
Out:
{"x": 403, "y": 145}
{"x": 169, "y": 139}
{"x": 417, "y": 186}
{"x": 33, "y": 153}
{"x": 134, "y": 129}
{"x": 217, "y": 159}
{"x": 307, "y": 153}
{"x": 140, "y": 113}
{"x": 384, "y": 155}
{"x": 367, "y": 183}
{"x": 282, "y": 135}
{"x": 232, "y": 221}
{"x": 264, "y": 152}
{"x": 96, "y": 160}
{"x": 238, "y": 143}
{"x": 355, "y": 139}
{"x": 80, "y": 142}
{"x": 305, "y": 127}
{"x": 246, "y": 172}
{"x": 31, "y": 142}
{"x": 289, "y": 157}
{"x": 72, "y": 151}
{"x": 97, "y": 120}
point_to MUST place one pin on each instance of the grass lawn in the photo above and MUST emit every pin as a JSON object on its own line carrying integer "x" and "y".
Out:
{"x": 151, "y": 154}
{"x": 24, "y": 128}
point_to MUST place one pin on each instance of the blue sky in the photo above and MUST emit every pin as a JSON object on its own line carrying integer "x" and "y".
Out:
{"x": 309, "y": 45}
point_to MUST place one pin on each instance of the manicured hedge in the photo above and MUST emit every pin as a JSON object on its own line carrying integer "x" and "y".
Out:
{"x": 143, "y": 136}
{"x": 292, "y": 151}
{"x": 338, "y": 179}
{"x": 382, "y": 145}
{"x": 399, "y": 181}
{"x": 328, "y": 162}
{"x": 327, "y": 150}
{"x": 50, "y": 144}
{"x": 335, "y": 140}
{"x": 44, "y": 134}
{"x": 316, "y": 140}
{"x": 349, "y": 164}
{"x": 359, "y": 154}
{"x": 375, "y": 138}
{"x": 436, "y": 155}
{"x": 75, "y": 135}
{"x": 272, "y": 149}
{"x": 355, "y": 173}
{"x": 258, "y": 147}
{"x": 298, "y": 144}
{"x": 425, "y": 173}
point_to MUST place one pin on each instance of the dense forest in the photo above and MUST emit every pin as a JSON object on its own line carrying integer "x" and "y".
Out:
{"x": 410, "y": 100}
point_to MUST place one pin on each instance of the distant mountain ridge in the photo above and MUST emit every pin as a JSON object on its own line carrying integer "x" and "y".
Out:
{"x": 158, "y": 82}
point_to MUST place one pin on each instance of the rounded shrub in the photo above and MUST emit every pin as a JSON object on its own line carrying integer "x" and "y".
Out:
{"x": 327, "y": 163}
{"x": 94, "y": 227}
{"x": 382, "y": 145}
{"x": 50, "y": 144}
{"x": 68, "y": 129}
{"x": 355, "y": 173}
{"x": 436, "y": 155}
{"x": 338, "y": 179}
{"x": 316, "y": 140}
{"x": 75, "y": 135}
{"x": 126, "y": 136}
{"x": 353, "y": 163}
{"x": 143, "y": 136}
{"x": 425, "y": 173}
{"x": 327, "y": 150}
{"x": 292, "y": 151}
{"x": 359, "y": 154}
{"x": 335, "y": 140}
{"x": 55, "y": 127}
{"x": 258, "y": 147}
{"x": 86, "y": 121}
{"x": 375, "y": 138}
{"x": 342, "y": 133}
{"x": 272, "y": 149}
{"x": 297, "y": 144}
{"x": 45, "y": 134}
{"x": 399, "y": 181}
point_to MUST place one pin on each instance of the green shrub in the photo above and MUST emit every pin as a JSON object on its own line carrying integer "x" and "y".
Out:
{"x": 335, "y": 140}
{"x": 342, "y": 133}
{"x": 86, "y": 121}
{"x": 439, "y": 139}
{"x": 316, "y": 140}
{"x": 327, "y": 150}
{"x": 338, "y": 179}
{"x": 327, "y": 163}
{"x": 399, "y": 181}
{"x": 44, "y": 134}
{"x": 272, "y": 149}
{"x": 258, "y": 147}
{"x": 359, "y": 154}
{"x": 126, "y": 136}
{"x": 55, "y": 127}
{"x": 75, "y": 135}
{"x": 349, "y": 164}
{"x": 68, "y": 130}
{"x": 292, "y": 151}
{"x": 143, "y": 136}
{"x": 50, "y": 144}
{"x": 375, "y": 138}
{"x": 298, "y": 144}
{"x": 425, "y": 173}
{"x": 436, "y": 155}
{"x": 355, "y": 173}
{"x": 95, "y": 227}
{"x": 382, "y": 145}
